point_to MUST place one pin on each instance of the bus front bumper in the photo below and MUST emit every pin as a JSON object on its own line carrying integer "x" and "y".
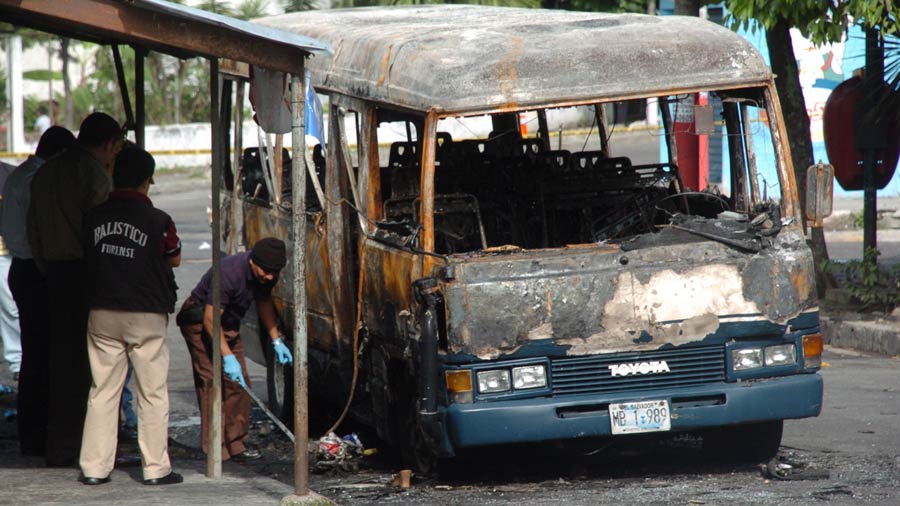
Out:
{"x": 705, "y": 406}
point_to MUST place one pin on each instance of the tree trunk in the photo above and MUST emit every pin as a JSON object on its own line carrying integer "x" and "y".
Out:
{"x": 67, "y": 82}
{"x": 787, "y": 82}
{"x": 50, "y": 109}
{"x": 687, "y": 7}
{"x": 179, "y": 78}
{"x": 160, "y": 88}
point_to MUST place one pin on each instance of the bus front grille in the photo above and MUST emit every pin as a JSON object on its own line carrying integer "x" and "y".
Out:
{"x": 623, "y": 372}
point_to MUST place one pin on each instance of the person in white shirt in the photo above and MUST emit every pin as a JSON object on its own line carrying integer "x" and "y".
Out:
{"x": 43, "y": 121}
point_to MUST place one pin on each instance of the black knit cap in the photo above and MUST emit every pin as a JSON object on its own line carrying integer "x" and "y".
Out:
{"x": 269, "y": 254}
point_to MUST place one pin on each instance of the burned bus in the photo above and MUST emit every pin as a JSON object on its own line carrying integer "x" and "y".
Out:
{"x": 473, "y": 284}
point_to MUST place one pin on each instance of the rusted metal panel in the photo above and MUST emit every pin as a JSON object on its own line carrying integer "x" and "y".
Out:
{"x": 784, "y": 160}
{"x": 387, "y": 292}
{"x": 372, "y": 166}
{"x": 257, "y": 222}
{"x": 337, "y": 238}
{"x": 456, "y": 58}
{"x": 165, "y": 27}
{"x": 601, "y": 300}
{"x": 426, "y": 191}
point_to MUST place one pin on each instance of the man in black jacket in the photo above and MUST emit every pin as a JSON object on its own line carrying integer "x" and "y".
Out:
{"x": 130, "y": 249}
{"x": 62, "y": 191}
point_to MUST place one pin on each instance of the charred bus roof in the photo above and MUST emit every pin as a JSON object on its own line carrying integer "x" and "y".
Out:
{"x": 466, "y": 59}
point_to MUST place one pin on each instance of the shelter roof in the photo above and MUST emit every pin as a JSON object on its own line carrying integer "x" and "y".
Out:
{"x": 164, "y": 27}
{"x": 464, "y": 58}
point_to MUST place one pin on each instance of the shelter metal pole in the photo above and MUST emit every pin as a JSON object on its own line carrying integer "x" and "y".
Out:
{"x": 298, "y": 259}
{"x": 214, "y": 457}
{"x": 123, "y": 86}
{"x": 140, "y": 116}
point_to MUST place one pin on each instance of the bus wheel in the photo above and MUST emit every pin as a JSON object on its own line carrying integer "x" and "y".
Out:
{"x": 749, "y": 443}
{"x": 279, "y": 383}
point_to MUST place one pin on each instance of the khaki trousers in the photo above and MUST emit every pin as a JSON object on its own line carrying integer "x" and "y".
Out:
{"x": 235, "y": 401}
{"x": 114, "y": 337}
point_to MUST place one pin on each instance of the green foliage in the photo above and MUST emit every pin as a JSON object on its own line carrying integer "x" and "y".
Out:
{"x": 222, "y": 7}
{"x": 42, "y": 75}
{"x": 874, "y": 287}
{"x": 820, "y": 21}
{"x": 251, "y": 9}
{"x": 3, "y": 98}
{"x": 30, "y": 105}
{"x": 298, "y": 5}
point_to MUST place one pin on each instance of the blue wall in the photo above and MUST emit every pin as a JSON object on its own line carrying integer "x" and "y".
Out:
{"x": 818, "y": 79}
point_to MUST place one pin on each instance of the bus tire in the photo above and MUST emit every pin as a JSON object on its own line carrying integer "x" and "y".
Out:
{"x": 748, "y": 443}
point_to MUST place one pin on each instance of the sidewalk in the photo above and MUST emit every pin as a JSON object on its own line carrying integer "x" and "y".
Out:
{"x": 867, "y": 332}
{"x": 27, "y": 482}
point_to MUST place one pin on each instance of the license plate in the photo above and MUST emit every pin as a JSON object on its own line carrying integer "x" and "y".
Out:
{"x": 638, "y": 417}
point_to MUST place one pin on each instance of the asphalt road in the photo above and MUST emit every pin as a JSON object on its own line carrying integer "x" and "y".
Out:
{"x": 856, "y": 440}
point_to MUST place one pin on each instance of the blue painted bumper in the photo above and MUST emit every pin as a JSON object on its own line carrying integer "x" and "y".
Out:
{"x": 543, "y": 419}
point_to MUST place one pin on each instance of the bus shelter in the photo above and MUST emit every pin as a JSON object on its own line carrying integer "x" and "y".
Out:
{"x": 185, "y": 32}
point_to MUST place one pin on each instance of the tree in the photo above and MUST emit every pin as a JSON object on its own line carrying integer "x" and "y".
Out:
{"x": 251, "y": 9}
{"x": 821, "y": 22}
{"x": 298, "y": 5}
{"x": 222, "y": 7}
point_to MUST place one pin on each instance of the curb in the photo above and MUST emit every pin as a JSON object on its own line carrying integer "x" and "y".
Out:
{"x": 873, "y": 336}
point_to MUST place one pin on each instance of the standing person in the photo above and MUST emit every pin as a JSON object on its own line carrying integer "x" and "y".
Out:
{"x": 29, "y": 289}
{"x": 246, "y": 277}
{"x": 43, "y": 122}
{"x": 9, "y": 314}
{"x": 62, "y": 191}
{"x": 130, "y": 250}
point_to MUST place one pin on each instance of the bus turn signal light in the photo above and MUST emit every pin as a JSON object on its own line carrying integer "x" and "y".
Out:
{"x": 813, "y": 346}
{"x": 459, "y": 385}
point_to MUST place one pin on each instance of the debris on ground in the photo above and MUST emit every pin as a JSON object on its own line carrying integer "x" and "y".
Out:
{"x": 783, "y": 468}
{"x": 339, "y": 455}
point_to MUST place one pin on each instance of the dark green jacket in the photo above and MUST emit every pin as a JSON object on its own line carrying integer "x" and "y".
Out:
{"x": 62, "y": 191}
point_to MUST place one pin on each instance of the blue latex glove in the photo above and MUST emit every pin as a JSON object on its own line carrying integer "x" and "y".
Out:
{"x": 233, "y": 369}
{"x": 282, "y": 353}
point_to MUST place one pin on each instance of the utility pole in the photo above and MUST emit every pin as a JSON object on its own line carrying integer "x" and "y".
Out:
{"x": 870, "y": 134}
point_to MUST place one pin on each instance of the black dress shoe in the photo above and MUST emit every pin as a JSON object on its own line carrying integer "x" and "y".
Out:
{"x": 87, "y": 480}
{"x": 247, "y": 455}
{"x": 169, "y": 479}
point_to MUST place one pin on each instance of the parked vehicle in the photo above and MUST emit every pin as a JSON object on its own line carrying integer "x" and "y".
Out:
{"x": 494, "y": 290}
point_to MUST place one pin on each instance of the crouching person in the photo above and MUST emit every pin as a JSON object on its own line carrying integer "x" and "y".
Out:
{"x": 246, "y": 277}
{"x": 130, "y": 248}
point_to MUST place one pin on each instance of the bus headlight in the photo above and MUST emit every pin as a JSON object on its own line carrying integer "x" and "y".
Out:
{"x": 747, "y": 358}
{"x": 529, "y": 376}
{"x": 781, "y": 354}
{"x": 493, "y": 381}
